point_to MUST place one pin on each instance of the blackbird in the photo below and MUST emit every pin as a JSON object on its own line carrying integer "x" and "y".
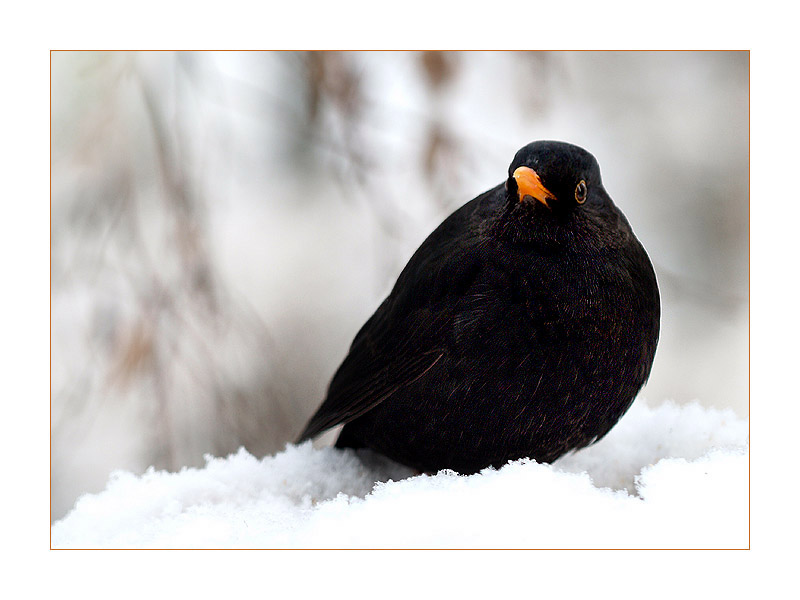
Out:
{"x": 523, "y": 326}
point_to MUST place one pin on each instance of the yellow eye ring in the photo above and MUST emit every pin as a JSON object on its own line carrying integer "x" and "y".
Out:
{"x": 581, "y": 192}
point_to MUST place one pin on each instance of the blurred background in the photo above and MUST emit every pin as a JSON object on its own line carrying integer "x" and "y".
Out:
{"x": 222, "y": 223}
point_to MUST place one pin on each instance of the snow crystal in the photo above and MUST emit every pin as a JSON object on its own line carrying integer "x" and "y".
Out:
{"x": 669, "y": 476}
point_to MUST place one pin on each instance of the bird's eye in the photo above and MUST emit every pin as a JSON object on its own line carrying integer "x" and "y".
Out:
{"x": 580, "y": 192}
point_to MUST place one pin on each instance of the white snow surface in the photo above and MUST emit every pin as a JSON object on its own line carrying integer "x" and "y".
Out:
{"x": 670, "y": 476}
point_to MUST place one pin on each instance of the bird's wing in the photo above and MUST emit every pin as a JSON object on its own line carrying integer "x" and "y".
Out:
{"x": 385, "y": 356}
{"x": 350, "y": 397}
{"x": 407, "y": 335}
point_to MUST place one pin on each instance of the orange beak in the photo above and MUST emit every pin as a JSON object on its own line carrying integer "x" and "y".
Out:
{"x": 529, "y": 184}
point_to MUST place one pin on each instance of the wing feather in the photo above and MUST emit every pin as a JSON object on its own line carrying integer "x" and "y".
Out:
{"x": 408, "y": 333}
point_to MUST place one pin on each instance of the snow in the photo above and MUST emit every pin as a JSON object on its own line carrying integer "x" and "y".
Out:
{"x": 666, "y": 476}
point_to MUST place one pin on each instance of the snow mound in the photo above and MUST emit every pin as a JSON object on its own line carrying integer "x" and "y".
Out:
{"x": 669, "y": 476}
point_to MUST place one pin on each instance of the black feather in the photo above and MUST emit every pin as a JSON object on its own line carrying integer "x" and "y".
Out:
{"x": 515, "y": 330}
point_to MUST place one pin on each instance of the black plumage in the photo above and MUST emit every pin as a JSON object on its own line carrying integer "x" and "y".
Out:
{"x": 523, "y": 326}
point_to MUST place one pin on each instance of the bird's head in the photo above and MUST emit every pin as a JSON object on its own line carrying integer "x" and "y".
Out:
{"x": 552, "y": 186}
{"x": 558, "y": 176}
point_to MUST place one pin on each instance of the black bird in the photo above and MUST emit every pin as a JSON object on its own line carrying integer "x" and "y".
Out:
{"x": 524, "y": 326}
